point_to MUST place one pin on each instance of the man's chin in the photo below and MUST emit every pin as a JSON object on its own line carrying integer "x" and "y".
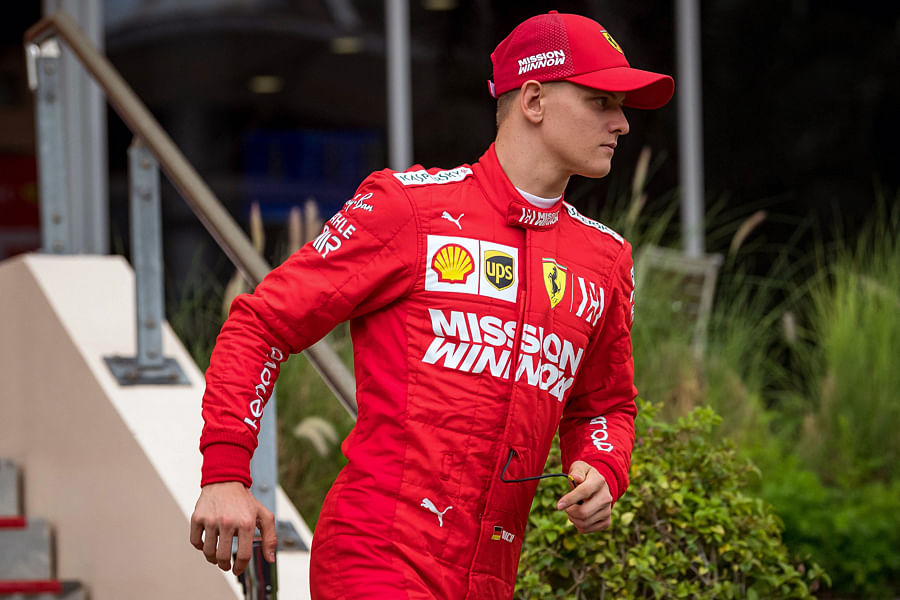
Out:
{"x": 597, "y": 172}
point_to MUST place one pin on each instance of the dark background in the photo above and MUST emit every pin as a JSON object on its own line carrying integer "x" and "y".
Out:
{"x": 800, "y": 102}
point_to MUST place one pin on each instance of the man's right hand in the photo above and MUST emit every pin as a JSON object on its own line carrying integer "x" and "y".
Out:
{"x": 225, "y": 510}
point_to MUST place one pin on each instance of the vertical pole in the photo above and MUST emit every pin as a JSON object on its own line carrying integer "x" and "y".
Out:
{"x": 690, "y": 118}
{"x": 83, "y": 110}
{"x": 56, "y": 235}
{"x": 264, "y": 464}
{"x": 264, "y": 470}
{"x": 398, "y": 84}
{"x": 146, "y": 252}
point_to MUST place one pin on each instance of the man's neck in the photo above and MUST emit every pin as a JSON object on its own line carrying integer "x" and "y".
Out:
{"x": 526, "y": 169}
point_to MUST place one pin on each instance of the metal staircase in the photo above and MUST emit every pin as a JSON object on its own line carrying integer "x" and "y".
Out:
{"x": 27, "y": 566}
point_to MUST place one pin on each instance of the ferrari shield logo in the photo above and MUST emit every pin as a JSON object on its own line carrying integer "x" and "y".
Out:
{"x": 612, "y": 42}
{"x": 554, "y": 281}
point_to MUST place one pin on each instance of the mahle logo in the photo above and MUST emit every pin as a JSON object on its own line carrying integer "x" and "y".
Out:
{"x": 499, "y": 269}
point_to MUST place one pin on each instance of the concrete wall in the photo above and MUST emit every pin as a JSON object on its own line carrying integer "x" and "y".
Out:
{"x": 114, "y": 469}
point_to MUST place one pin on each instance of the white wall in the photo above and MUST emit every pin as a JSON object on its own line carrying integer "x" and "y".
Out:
{"x": 114, "y": 469}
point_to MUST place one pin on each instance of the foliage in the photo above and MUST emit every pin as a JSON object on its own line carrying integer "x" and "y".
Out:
{"x": 854, "y": 533}
{"x": 832, "y": 475}
{"x": 685, "y": 528}
{"x": 851, "y": 359}
{"x": 304, "y": 473}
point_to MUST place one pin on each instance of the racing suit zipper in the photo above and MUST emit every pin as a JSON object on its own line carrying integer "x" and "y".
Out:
{"x": 522, "y": 303}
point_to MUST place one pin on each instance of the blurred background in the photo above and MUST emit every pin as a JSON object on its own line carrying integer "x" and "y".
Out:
{"x": 279, "y": 102}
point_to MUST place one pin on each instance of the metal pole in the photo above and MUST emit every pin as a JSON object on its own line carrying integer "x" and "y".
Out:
{"x": 43, "y": 68}
{"x": 146, "y": 252}
{"x": 192, "y": 188}
{"x": 690, "y": 118}
{"x": 84, "y": 122}
{"x": 398, "y": 84}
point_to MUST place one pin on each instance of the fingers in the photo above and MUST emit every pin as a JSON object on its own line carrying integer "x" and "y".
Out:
{"x": 244, "y": 548}
{"x": 588, "y": 483}
{"x": 266, "y": 523}
{"x": 593, "y": 516}
{"x": 225, "y": 511}
{"x": 589, "y": 505}
{"x": 196, "y": 533}
{"x": 223, "y": 550}
{"x": 209, "y": 544}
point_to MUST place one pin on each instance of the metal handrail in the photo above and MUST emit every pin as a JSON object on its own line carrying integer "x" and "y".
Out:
{"x": 208, "y": 209}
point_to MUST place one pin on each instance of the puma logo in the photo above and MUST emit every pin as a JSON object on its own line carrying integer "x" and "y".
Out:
{"x": 428, "y": 504}
{"x": 447, "y": 216}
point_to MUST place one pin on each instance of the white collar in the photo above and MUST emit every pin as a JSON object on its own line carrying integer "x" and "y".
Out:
{"x": 537, "y": 200}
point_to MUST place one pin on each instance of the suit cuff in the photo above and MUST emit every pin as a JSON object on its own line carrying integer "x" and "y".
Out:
{"x": 226, "y": 462}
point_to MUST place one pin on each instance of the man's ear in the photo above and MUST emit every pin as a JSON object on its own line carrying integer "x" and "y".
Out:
{"x": 531, "y": 96}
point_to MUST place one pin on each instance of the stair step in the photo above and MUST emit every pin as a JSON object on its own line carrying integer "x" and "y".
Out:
{"x": 25, "y": 552}
{"x": 49, "y": 589}
{"x": 10, "y": 496}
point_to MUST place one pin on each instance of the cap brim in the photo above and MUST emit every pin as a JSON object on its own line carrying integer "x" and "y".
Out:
{"x": 643, "y": 89}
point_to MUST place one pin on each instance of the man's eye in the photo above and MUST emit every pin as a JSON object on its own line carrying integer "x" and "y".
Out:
{"x": 602, "y": 102}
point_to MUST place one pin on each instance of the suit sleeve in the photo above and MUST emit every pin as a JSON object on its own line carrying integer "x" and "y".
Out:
{"x": 598, "y": 420}
{"x": 362, "y": 260}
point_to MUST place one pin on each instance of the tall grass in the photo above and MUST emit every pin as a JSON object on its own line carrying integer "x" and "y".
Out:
{"x": 854, "y": 358}
{"x": 305, "y": 472}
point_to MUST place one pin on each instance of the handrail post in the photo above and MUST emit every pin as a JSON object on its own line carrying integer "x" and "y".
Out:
{"x": 43, "y": 75}
{"x": 146, "y": 252}
{"x": 192, "y": 188}
{"x": 149, "y": 367}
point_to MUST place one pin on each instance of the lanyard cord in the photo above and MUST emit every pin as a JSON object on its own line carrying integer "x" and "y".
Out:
{"x": 512, "y": 453}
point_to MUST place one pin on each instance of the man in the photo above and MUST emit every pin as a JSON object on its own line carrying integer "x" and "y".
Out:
{"x": 485, "y": 313}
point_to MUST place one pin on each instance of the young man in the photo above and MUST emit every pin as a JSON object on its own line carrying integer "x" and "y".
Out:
{"x": 485, "y": 313}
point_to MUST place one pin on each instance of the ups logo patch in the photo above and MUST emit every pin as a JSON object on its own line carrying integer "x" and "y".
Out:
{"x": 499, "y": 269}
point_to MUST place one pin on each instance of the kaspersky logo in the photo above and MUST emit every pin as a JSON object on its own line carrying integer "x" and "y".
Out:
{"x": 453, "y": 264}
{"x": 502, "y": 534}
{"x": 554, "y": 281}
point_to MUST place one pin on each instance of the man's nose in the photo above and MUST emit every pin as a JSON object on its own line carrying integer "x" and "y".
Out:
{"x": 619, "y": 124}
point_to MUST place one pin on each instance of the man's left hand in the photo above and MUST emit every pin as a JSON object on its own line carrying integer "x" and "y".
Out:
{"x": 594, "y": 513}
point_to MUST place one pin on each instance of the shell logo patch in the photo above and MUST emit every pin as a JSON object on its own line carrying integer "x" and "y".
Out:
{"x": 554, "y": 281}
{"x": 612, "y": 42}
{"x": 453, "y": 264}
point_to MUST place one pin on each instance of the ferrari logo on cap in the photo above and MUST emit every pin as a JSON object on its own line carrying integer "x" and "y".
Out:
{"x": 612, "y": 42}
{"x": 554, "y": 281}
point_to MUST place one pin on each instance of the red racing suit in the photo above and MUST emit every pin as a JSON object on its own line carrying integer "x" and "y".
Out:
{"x": 480, "y": 323}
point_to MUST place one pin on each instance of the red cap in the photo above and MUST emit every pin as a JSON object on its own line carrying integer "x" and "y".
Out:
{"x": 564, "y": 47}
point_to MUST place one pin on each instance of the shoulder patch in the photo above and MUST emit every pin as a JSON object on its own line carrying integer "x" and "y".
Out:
{"x": 423, "y": 177}
{"x": 592, "y": 223}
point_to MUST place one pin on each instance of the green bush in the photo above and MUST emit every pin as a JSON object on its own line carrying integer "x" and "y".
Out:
{"x": 684, "y": 529}
{"x": 853, "y": 533}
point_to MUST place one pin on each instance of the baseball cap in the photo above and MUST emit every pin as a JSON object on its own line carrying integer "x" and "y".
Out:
{"x": 566, "y": 47}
